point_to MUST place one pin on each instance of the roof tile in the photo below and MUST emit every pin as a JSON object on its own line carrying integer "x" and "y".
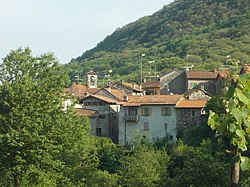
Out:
{"x": 191, "y": 104}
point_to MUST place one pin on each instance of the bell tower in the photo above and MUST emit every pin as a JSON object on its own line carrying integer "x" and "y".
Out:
{"x": 91, "y": 79}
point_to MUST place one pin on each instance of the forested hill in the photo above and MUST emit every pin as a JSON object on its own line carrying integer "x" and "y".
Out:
{"x": 207, "y": 30}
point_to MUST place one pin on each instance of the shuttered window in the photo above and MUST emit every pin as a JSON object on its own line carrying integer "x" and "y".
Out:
{"x": 166, "y": 111}
{"x": 146, "y": 111}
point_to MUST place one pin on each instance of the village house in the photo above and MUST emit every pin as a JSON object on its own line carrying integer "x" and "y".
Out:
{"x": 129, "y": 88}
{"x": 190, "y": 109}
{"x": 173, "y": 82}
{"x": 152, "y": 116}
{"x": 178, "y": 82}
{"x": 104, "y": 121}
{"x": 151, "y": 87}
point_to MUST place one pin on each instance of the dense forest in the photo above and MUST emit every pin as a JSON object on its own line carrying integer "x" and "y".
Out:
{"x": 202, "y": 33}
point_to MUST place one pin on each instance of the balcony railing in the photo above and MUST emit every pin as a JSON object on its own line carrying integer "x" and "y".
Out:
{"x": 132, "y": 118}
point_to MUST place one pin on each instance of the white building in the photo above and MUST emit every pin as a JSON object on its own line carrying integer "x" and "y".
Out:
{"x": 153, "y": 116}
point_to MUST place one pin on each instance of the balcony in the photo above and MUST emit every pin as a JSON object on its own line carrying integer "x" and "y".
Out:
{"x": 132, "y": 118}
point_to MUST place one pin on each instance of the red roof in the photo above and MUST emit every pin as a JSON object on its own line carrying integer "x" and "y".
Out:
{"x": 191, "y": 104}
{"x": 151, "y": 84}
{"x": 134, "y": 100}
{"x": 201, "y": 74}
{"x": 118, "y": 94}
{"x": 131, "y": 86}
{"x": 84, "y": 112}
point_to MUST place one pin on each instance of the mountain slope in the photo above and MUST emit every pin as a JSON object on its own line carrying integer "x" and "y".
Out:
{"x": 207, "y": 30}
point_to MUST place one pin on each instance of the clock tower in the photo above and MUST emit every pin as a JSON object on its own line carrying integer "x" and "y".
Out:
{"x": 91, "y": 79}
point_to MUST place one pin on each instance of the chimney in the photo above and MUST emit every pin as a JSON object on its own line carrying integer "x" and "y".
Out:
{"x": 126, "y": 98}
{"x": 133, "y": 85}
{"x": 109, "y": 88}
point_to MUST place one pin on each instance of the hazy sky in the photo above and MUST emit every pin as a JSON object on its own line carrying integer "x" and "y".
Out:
{"x": 66, "y": 27}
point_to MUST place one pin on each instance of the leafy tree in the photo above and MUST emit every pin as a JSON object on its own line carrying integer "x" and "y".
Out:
{"x": 235, "y": 123}
{"x": 194, "y": 135}
{"x": 197, "y": 166}
{"x": 144, "y": 167}
{"x": 110, "y": 155}
{"x": 40, "y": 144}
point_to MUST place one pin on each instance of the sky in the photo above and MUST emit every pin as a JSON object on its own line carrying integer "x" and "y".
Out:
{"x": 66, "y": 27}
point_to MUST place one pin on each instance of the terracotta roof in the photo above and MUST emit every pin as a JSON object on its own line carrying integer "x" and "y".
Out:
{"x": 92, "y": 90}
{"x": 152, "y": 100}
{"x": 201, "y": 74}
{"x": 118, "y": 94}
{"x": 191, "y": 104}
{"x": 131, "y": 86}
{"x": 75, "y": 88}
{"x": 84, "y": 112}
{"x": 151, "y": 84}
{"x": 103, "y": 98}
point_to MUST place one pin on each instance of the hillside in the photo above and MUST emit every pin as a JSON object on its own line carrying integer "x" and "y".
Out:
{"x": 207, "y": 30}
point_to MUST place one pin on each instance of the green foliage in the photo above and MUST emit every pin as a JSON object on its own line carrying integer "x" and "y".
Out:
{"x": 144, "y": 167}
{"x": 197, "y": 166}
{"x": 194, "y": 135}
{"x": 206, "y": 30}
{"x": 110, "y": 155}
{"x": 40, "y": 144}
{"x": 234, "y": 124}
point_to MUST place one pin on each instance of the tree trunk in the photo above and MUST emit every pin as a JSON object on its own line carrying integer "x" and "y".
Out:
{"x": 16, "y": 180}
{"x": 235, "y": 174}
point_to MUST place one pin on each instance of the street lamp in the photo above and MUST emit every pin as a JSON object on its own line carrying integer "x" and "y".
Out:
{"x": 141, "y": 66}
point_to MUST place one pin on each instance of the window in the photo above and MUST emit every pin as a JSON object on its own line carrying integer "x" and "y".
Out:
{"x": 166, "y": 111}
{"x": 166, "y": 126}
{"x": 146, "y": 111}
{"x": 98, "y": 131}
{"x": 132, "y": 110}
{"x": 145, "y": 128}
{"x": 193, "y": 113}
{"x": 86, "y": 103}
{"x": 113, "y": 131}
{"x": 102, "y": 116}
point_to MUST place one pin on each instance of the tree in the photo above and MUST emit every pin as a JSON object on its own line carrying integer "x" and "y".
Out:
{"x": 40, "y": 144}
{"x": 144, "y": 167}
{"x": 197, "y": 166}
{"x": 234, "y": 125}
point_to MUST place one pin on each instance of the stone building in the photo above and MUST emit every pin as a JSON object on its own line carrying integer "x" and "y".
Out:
{"x": 129, "y": 88}
{"x": 178, "y": 82}
{"x": 190, "y": 108}
{"x": 202, "y": 79}
{"x": 105, "y": 121}
{"x": 151, "y": 87}
{"x": 173, "y": 82}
